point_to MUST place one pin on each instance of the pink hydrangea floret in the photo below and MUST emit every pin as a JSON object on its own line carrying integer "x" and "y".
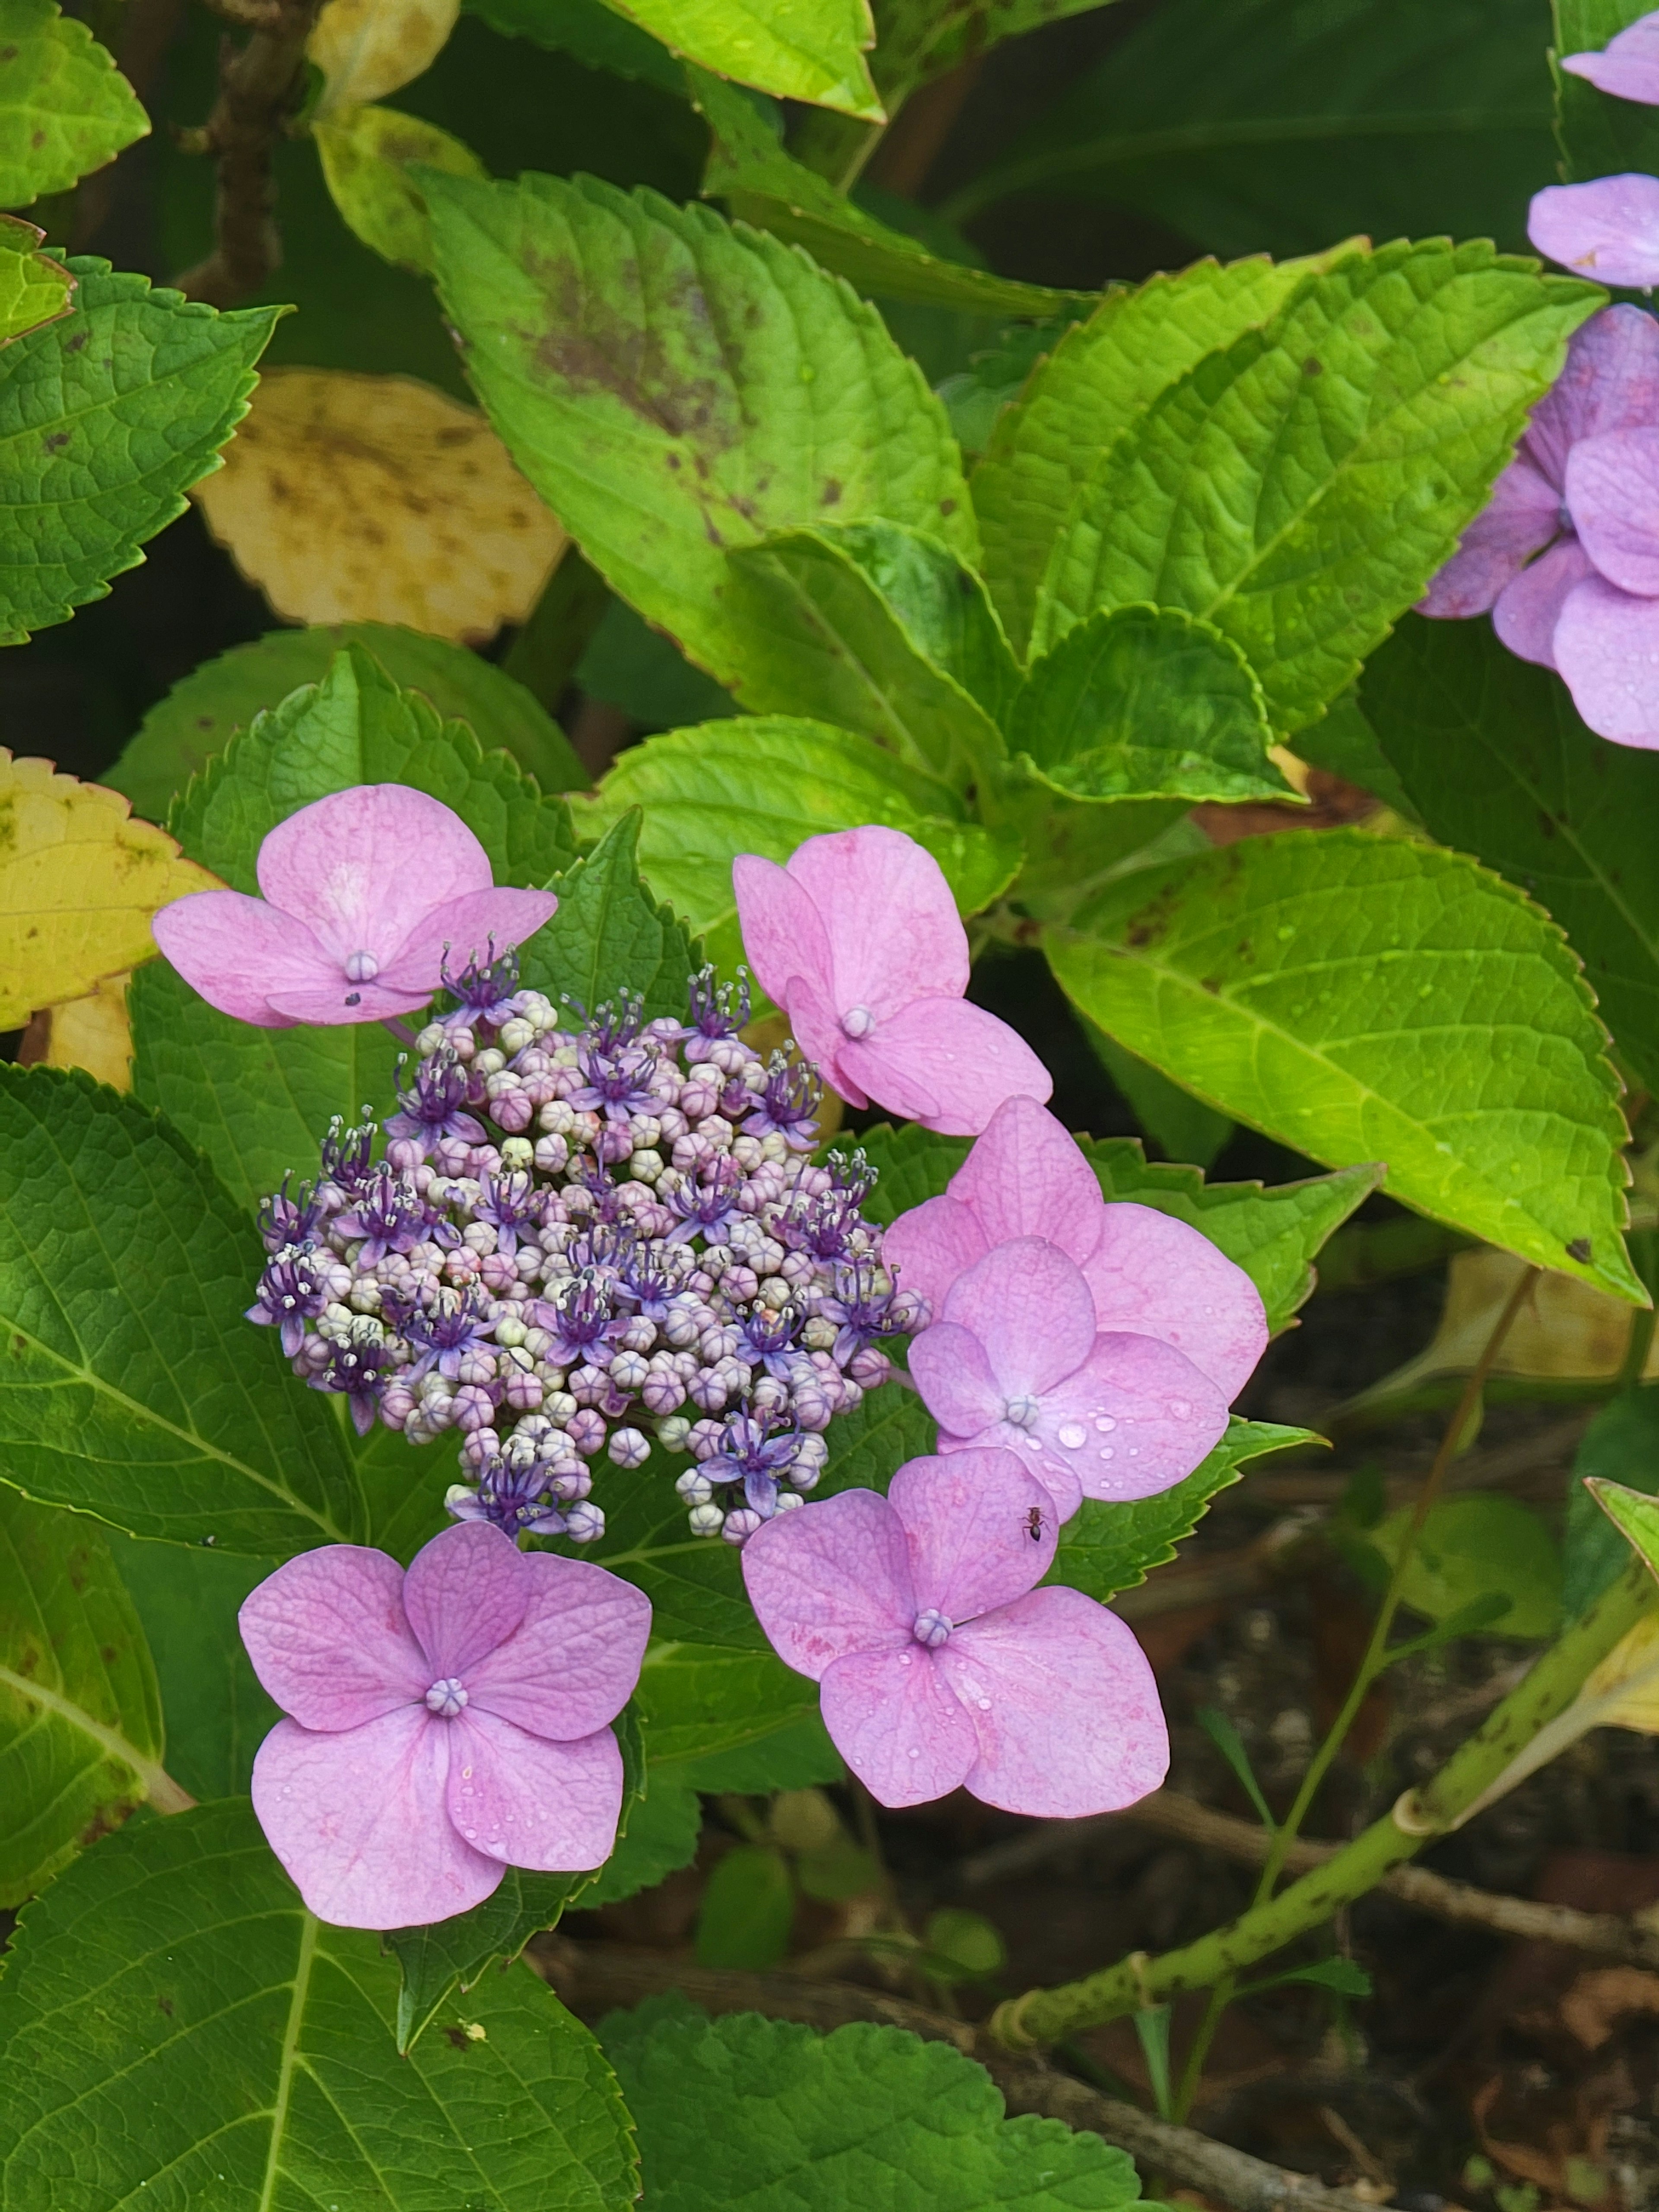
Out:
{"x": 858, "y": 940}
{"x": 443, "y": 1724}
{"x": 1149, "y": 1275}
{"x": 939, "y": 1665}
{"x": 1627, "y": 67}
{"x": 1566, "y": 555}
{"x": 368, "y": 896}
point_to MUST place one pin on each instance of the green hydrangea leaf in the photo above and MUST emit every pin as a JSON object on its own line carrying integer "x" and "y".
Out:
{"x": 764, "y": 785}
{"x": 808, "y": 2122}
{"x": 663, "y": 1829}
{"x": 136, "y": 1389}
{"x": 178, "y": 2030}
{"x": 1271, "y": 124}
{"x": 205, "y": 709}
{"x": 1621, "y": 1445}
{"x": 368, "y": 153}
{"x": 917, "y": 41}
{"x": 590, "y": 33}
{"x": 107, "y": 416}
{"x": 1272, "y": 1233}
{"x": 674, "y": 387}
{"x": 80, "y": 1716}
{"x": 1363, "y": 998}
{"x": 806, "y": 50}
{"x": 1299, "y": 489}
{"x": 65, "y": 109}
{"x": 1482, "y": 1547}
{"x": 795, "y": 1757}
{"x": 1144, "y": 702}
{"x": 749, "y": 169}
{"x": 695, "y": 1584}
{"x": 1102, "y": 376}
{"x": 611, "y": 935}
{"x": 217, "y": 1713}
{"x": 868, "y": 1446}
{"x": 451, "y": 1956}
{"x": 748, "y": 1910}
{"x": 1106, "y": 1548}
{"x": 699, "y": 1699}
{"x": 34, "y": 287}
{"x": 1495, "y": 758}
{"x": 883, "y": 631}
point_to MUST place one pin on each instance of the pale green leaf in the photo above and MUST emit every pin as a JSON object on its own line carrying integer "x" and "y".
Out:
{"x": 1106, "y": 1548}
{"x": 867, "y": 2115}
{"x": 763, "y": 786}
{"x": 611, "y": 935}
{"x": 79, "y": 1715}
{"x": 763, "y": 184}
{"x": 1621, "y": 1445}
{"x": 1484, "y": 1545}
{"x": 674, "y": 388}
{"x": 34, "y": 287}
{"x": 65, "y": 109}
{"x": 806, "y": 50}
{"x": 747, "y": 1908}
{"x": 1300, "y": 490}
{"x": 134, "y": 1388}
{"x": 178, "y": 2032}
{"x": 1634, "y": 1514}
{"x": 366, "y": 155}
{"x": 1101, "y": 377}
{"x": 1495, "y": 758}
{"x": 1361, "y": 998}
{"x": 203, "y": 710}
{"x": 1270, "y": 122}
{"x": 106, "y": 417}
{"x": 1144, "y": 702}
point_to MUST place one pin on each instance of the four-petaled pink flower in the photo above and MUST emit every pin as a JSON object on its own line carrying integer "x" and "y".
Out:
{"x": 939, "y": 1665}
{"x": 367, "y": 893}
{"x": 1149, "y": 1275}
{"x": 1566, "y": 555}
{"x": 1627, "y": 67}
{"x": 1015, "y": 1360}
{"x": 858, "y": 940}
{"x": 444, "y": 1724}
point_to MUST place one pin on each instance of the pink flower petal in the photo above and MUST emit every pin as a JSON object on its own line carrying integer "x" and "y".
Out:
{"x": 784, "y": 939}
{"x": 969, "y": 1523}
{"x": 951, "y": 1371}
{"x": 1522, "y": 516}
{"x": 1063, "y": 1703}
{"x": 531, "y": 1803}
{"x": 460, "y": 928}
{"x": 1135, "y": 1417}
{"x": 464, "y": 1593}
{"x": 832, "y": 1578}
{"x": 1606, "y": 647}
{"x": 358, "y": 1820}
{"x": 1611, "y": 382}
{"x": 363, "y": 867}
{"x": 570, "y": 1666}
{"x": 887, "y": 911}
{"x": 926, "y": 1248}
{"x": 339, "y": 1002}
{"x": 1607, "y": 230}
{"x": 1047, "y": 1467}
{"x": 1026, "y": 1177}
{"x": 894, "y": 1721}
{"x": 328, "y": 1639}
{"x": 236, "y": 952}
{"x": 1031, "y": 1309}
{"x": 1628, "y": 67}
{"x": 1612, "y": 482}
{"x": 944, "y": 1063}
{"x": 1157, "y": 1277}
{"x": 1529, "y": 609}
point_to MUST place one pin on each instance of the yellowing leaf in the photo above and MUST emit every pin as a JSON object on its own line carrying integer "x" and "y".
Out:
{"x": 366, "y": 153}
{"x": 34, "y": 288}
{"x": 79, "y": 881}
{"x": 92, "y": 1033}
{"x": 366, "y": 48}
{"x": 351, "y": 498}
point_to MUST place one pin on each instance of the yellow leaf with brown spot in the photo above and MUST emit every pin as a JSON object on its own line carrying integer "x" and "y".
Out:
{"x": 349, "y": 498}
{"x": 366, "y": 48}
{"x": 79, "y": 881}
{"x": 93, "y": 1033}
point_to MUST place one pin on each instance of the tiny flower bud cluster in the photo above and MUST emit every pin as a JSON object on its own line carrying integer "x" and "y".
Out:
{"x": 579, "y": 1238}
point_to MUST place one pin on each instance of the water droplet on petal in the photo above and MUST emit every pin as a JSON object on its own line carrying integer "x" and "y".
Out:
{"x": 1180, "y": 1408}
{"x": 985, "y": 1705}
{"x": 916, "y": 1751}
{"x": 1106, "y": 1451}
{"x": 1073, "y": 1435}
{"x": 1105, "y": 1424}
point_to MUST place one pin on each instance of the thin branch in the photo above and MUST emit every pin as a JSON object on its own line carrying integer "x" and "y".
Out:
{"x": 260, "y": 87}
{"x": 592, "y": 1978}
{"x": 1603, "y": 1935}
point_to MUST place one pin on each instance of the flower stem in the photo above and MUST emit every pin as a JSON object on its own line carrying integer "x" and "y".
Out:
{"x": 1043, "y": 2016}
